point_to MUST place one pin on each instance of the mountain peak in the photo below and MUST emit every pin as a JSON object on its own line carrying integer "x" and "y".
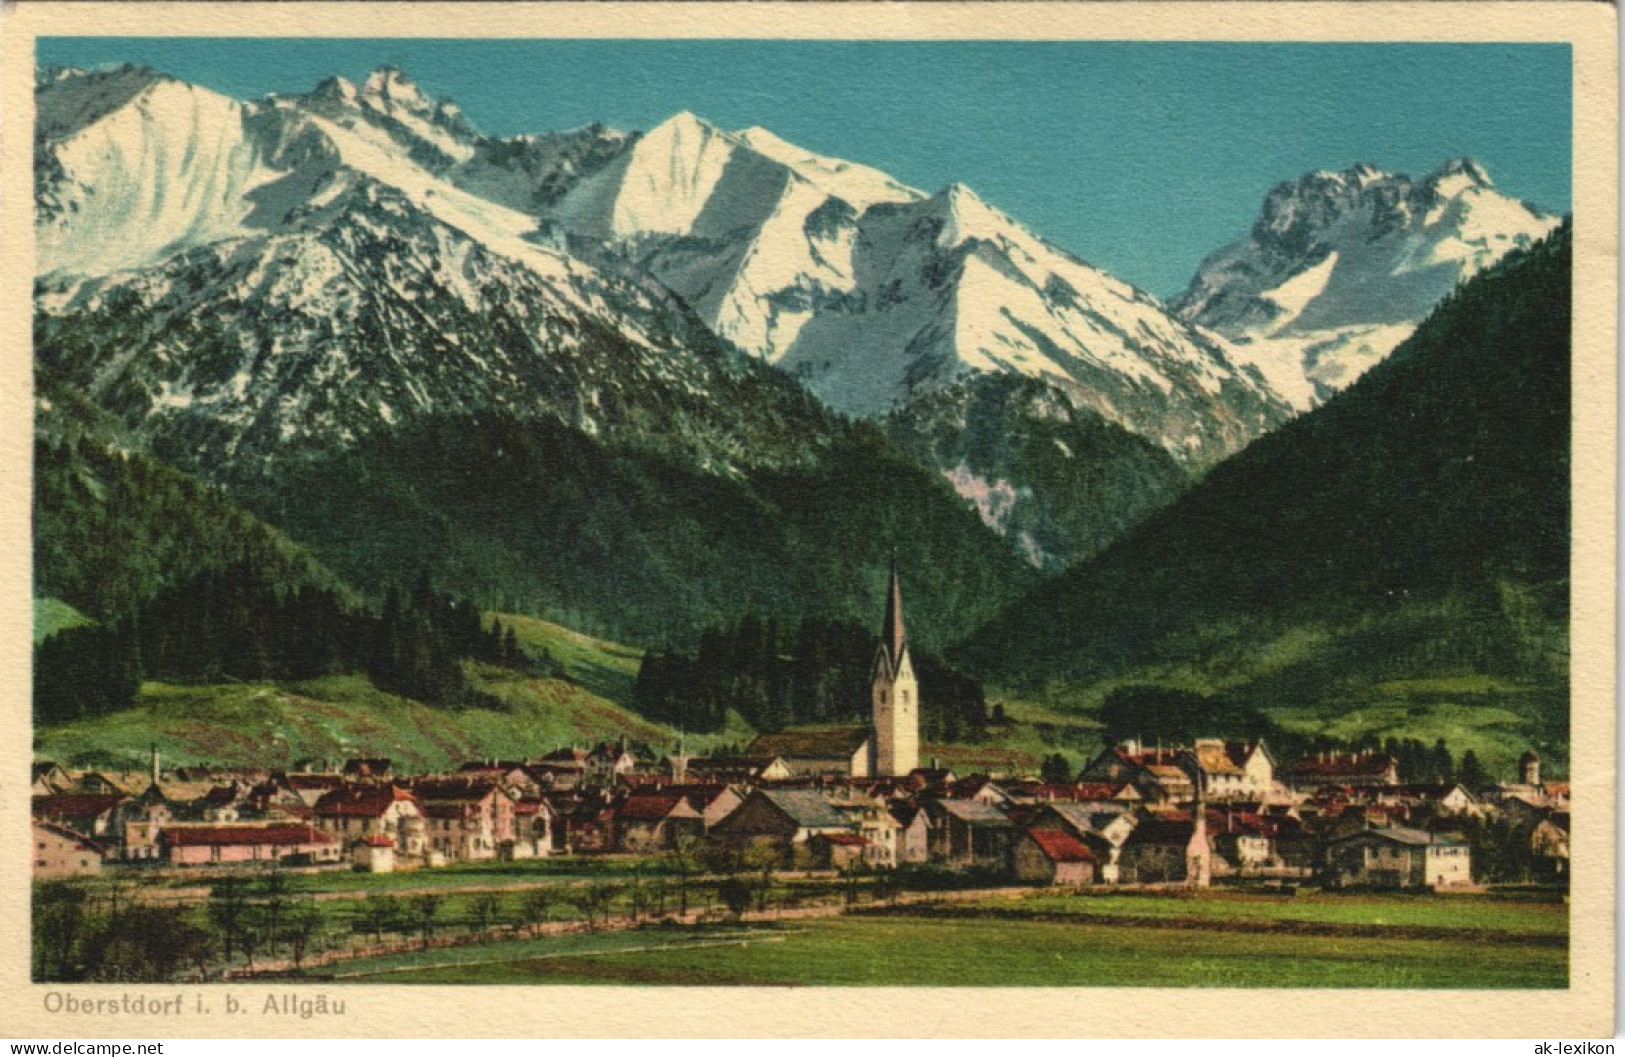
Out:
{"x": 1467, "y": 169}
{"x": 683, "y": 121}
{"x": 336, "y": 89}
{"x": 388, "y": 84}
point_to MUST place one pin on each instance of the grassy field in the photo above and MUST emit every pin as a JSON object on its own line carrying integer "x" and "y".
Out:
{"x": 345, "y": 715}
{"x": 918, "y": 950}
{"x": 480, "y": 874}
{"x": 339, "y": 716}
{"x": 1516, "y": 917}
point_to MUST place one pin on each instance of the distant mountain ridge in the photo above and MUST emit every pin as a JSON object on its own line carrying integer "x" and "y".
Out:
{"x": 1340, "y": 267}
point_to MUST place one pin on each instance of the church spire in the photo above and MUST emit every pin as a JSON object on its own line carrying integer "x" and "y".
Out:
{"x": 891, "y": 632}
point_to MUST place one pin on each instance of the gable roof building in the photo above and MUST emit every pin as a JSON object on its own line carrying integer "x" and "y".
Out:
{"x": 818, "y": 750}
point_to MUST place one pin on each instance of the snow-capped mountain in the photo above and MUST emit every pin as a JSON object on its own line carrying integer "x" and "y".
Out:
{"x": 243, "y": 277}
{"x": 873, "y": 293}
{"x": 237, "y": 280}
{"x": 1340, "y": 267}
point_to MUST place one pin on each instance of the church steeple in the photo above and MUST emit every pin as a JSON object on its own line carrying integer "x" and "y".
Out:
{"x": 895, "y": 693}
{"x": 892, "y": 634}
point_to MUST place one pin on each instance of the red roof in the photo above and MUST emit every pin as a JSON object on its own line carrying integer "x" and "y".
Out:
{"x": 1060, "y": 846}
{"x": 378, "y": 840}
{"x": 848, "y": 839}
{"x": 194, "y": 836}
{"x": 1164, "y": 830}
{"x": 1078, "y": 791}
{"x": 646, "y": 807}
{"x": 463, "y": 788}
{"x": 81, "y": 806}
{"x": 366, "y": 801}
{"x": 1342, "y": 765}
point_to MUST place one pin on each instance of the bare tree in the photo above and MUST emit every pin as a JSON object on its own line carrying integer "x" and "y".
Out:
{"x": 423, "y": 910}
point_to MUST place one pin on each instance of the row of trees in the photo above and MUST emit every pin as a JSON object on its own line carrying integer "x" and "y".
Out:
{"x": 234, "y": 624}
{"x": 820, "y": 673}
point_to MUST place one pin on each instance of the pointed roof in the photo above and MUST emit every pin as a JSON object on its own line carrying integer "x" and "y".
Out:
{"x": 891, "y": 632}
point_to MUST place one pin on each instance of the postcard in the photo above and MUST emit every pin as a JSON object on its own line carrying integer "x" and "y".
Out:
{"x": 581, "y": 520}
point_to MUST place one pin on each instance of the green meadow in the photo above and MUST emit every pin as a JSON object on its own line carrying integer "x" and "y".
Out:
{"x": 1063, "y": 947}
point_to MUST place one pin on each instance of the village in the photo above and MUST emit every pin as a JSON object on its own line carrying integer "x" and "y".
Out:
{"x": 844, "y": 799}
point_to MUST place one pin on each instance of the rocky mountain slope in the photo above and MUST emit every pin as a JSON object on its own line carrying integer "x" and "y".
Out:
{"x": 305, "y": 308}
{"x": 1340, "y": 267}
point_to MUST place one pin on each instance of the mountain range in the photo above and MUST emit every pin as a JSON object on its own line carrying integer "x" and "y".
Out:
{"x": 647, "y": 380}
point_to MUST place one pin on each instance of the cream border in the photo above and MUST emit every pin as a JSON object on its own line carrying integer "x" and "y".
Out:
{"x": 1586, "y": 1010}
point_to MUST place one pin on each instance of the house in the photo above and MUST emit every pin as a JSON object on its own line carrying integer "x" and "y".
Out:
{"x": 971, "y": 833}
{"x": 1241, "y": 841}
{"x": 784, "y": 819}
{"x": 466, "y": 817}
{"x": 608, "y": 761}
{"x": 751, "y": 770}
{"x": 1158, "y": 775}
{"x": 1549, "y": 844}
{"x": 836, "y": 851}
{"x": 1167, "y": 848}
{"x": 818, "y": 751}
{"x": 1342, "y": 768}
{"x": 47, "y": 779}
{"x": 513, "y": 775}
{"x": 1104, "y": 794}
{"x": 223, "y": 803}
{"x": 140, "y": 821}
{"x": 311, "y": 786}
{"x": 646, "y": 821}
{"x": 374, "y": 854}
{"x": 714, "y": 802}
{"x": 913, "y": 833}
{"x": 1102, "y": 831}
{"x": 87, "y": 814}
{"x": 561, "y": 769}
{"x": 933, "y": 780}
{"x": 532, "y": 829}
{"x": 353, "y": 812}
{"x": 1445, "y": 798}
{"x": 1396, "y": 857}
{"x": 981, "y": 788}
{"x": 870, "y": 817}
{"x": 240, "y": 843}
{"x": 62, "y": 852}
{"x": 1052, "y": 857}
{"x": 1232, "y": 770}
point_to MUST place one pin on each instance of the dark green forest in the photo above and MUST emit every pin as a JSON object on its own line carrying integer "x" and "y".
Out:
{"x": 536, "y": 517}
{"x": 820, "y": 673}
{"x": 231, "y": 624}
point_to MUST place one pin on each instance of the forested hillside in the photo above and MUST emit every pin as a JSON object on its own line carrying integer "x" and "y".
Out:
{"x": 1405, "y": 545}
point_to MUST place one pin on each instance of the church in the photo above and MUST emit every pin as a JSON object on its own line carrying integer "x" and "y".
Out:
{"x": 890, "y": 746}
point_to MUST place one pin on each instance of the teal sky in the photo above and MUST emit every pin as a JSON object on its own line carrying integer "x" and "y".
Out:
{"x": 1140, "y": 158}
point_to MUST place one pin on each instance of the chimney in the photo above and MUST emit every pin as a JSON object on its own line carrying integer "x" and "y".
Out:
{"x": 155, "y": 770}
